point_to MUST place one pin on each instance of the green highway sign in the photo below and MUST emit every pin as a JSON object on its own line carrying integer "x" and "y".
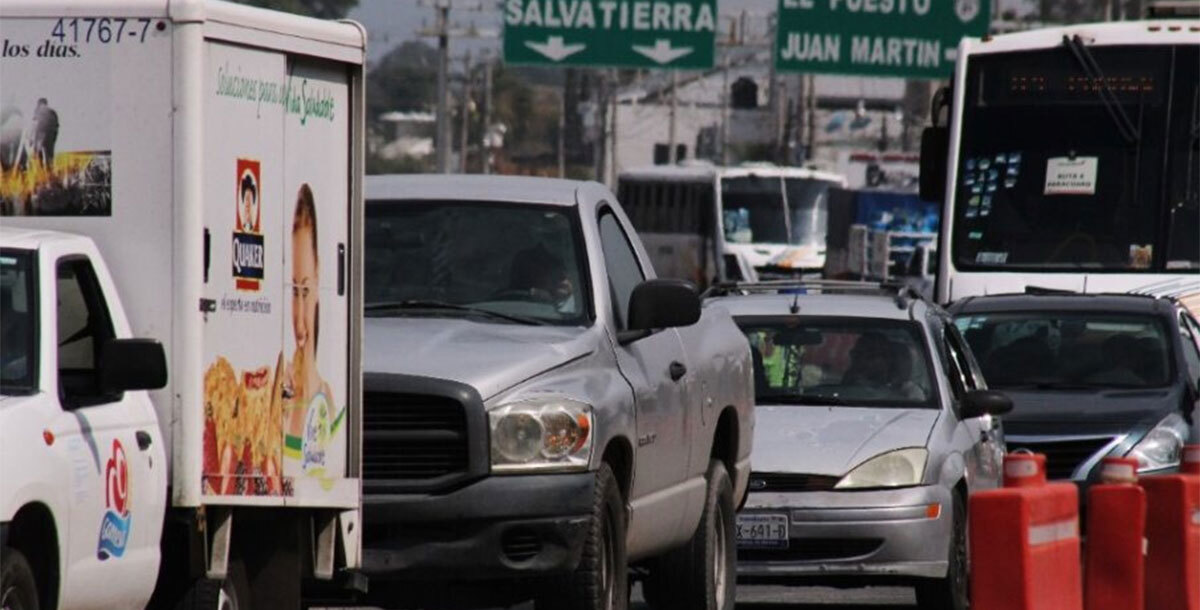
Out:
{"x": 673, "y": 34}
{"x": 907, "y": 38}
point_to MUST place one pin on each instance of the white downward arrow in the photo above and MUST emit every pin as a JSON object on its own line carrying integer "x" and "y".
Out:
{"x": 554, "y": 49}
{"x": 662, "y": 52}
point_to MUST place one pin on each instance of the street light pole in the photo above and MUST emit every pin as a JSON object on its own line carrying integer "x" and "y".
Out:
{"x": 672, "y": 158}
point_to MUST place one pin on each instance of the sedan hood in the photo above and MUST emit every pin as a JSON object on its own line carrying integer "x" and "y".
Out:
{"x": 833, "y": 440}
{"x": 1087, "y": 412}
{"x": 489, "y": 357}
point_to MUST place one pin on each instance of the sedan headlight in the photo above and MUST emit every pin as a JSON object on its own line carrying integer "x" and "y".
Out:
{"x": 899, "y": 468}
{"x": 542, "y": 434}
{"x": 1162, "y": 447}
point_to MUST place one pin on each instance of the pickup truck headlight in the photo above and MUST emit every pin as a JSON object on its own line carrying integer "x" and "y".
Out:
{"x": 541, "y": 434}
{"x": 1162, "y": 447}
{"x": 899, "y": 468}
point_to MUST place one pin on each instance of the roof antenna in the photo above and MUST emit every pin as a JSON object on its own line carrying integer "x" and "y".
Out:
{"x": 795, "y": 307}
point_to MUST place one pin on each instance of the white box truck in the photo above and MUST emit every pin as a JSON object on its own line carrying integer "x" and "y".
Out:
{"x": 180, "y": 201}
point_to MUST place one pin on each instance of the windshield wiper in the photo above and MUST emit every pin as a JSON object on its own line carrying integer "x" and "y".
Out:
{"x": 800, "y": 399}
{"x": 1056, "y": 385}
{"x": 429, "y": 304}
{"x": 1090, "y": 67}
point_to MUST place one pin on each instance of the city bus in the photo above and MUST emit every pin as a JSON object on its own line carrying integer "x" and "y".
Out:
{"x": 702, "y": 222}
{"x": 1070, "y": 161}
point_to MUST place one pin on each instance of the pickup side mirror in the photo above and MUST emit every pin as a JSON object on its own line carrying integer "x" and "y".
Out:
{"x": 663, "y": 304}
{"x": 132, "y": 364}
{"x": 935, "y": 148}
{"x": 985, "y": 402}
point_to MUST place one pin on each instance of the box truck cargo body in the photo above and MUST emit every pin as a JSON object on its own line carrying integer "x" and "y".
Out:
{"x": 212, "y": 153}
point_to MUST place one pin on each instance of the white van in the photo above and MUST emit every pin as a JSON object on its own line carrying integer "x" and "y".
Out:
{"x": 201, "y": 160}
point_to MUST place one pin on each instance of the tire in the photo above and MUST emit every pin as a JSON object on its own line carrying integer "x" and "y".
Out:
{"x": 951, "y": 592}
{"x": 702, "y": 574}
{"x": 233, "y": 593}
{"x": 601, "y": 582}
{"x": 18, "y": 588}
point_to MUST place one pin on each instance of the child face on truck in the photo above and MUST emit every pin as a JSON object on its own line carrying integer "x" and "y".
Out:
{"x": 305, "y": 284}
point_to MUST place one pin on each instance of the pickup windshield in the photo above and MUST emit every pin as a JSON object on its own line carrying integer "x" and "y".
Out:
{"x": 1080, "y": 157}
{"x": 503, "y": 263}
{"x": 18, "y": 348}
{"x": 1048, "y": 350}
{"x": 816, "y": 361}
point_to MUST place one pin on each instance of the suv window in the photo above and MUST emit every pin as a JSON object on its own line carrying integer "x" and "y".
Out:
{"x": 962, "y": 377}
{"x": 1191, "y": 353}
{"x": 624, "y": 273}
{"x": 83, "y": 328}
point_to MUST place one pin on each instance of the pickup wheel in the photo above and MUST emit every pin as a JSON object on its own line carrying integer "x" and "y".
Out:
{"x": 233, "y": 593}
{"x": 18, "y": 589}
{"x": 601, "y": 582}
{"x": 700, "y": 575}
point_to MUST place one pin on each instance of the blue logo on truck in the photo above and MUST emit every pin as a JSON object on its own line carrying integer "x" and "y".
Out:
{"x": 114, "y": 527}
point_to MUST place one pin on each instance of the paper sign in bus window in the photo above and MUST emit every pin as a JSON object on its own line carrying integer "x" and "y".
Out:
{"x": 1067, "y": 176}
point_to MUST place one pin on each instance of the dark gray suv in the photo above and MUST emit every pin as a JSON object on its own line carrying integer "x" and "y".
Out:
{"x": 1090, "y": 375}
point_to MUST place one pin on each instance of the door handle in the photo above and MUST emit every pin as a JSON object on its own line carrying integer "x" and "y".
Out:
{"x": 143, "y": 439}
{"x": 678, "y": 370}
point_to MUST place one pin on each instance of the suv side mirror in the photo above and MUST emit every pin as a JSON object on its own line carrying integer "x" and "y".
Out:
{"x": 935, "y": 148}
{"x": 663, "y": 303}
{"x": 985, "y": 402}
{"x": 132, "y": 364}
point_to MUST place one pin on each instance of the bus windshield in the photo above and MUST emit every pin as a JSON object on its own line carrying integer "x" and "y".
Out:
{"x": 1053, "y": 177}
{"x": 773, "y": 210}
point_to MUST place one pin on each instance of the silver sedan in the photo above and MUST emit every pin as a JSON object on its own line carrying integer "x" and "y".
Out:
{"x": 873, "y": 427}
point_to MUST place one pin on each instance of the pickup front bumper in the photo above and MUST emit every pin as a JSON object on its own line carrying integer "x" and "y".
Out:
{"x": 499, "y": 527}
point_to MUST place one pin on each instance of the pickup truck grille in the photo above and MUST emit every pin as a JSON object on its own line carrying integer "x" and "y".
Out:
{"x": 413, "y": 437}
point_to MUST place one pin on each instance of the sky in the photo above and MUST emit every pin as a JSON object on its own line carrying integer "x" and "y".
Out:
{"x": 391, "y": 22}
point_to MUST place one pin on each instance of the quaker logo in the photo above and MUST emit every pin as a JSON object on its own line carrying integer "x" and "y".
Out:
{"x": 966, "y": 10}
{"x": 114, "y": 527}
{"x": 248, "y": 251}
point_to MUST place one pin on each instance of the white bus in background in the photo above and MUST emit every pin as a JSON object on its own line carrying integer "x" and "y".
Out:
{"x": 702, "y": 222}
{"x": 1071, "y": 161}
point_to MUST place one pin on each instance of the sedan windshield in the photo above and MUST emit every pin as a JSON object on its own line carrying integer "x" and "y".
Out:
{"x": 499, "y": 262}
{"x": 18, "y": 362}
{"x": 1068, "y": 350}
{"x": 839, "y": 361}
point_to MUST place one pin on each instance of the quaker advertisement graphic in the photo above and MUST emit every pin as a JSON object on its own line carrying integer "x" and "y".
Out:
{"x": 274, "y": 397}
{"x": 55, "y": 141}
{"x": 248, "y": 250}
{"x": 114, "y": 527}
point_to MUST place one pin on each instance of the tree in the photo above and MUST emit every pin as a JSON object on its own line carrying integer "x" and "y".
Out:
{"x": 323, "y": 9}
{"x": 404, "y": 79}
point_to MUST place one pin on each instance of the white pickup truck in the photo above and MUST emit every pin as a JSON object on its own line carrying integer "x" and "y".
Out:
{"x": 541, "y": 412}
{"x": 188, "y": 173}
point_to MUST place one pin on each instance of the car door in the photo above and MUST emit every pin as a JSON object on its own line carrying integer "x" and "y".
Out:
{"x": 656, "y": 368}
{"x": 1189, "y": 332}
{"x": 117, "y": 488}
{"x": 985, "y": 459}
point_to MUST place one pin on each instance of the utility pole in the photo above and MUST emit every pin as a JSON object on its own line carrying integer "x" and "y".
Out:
{"x": 485, "y": 150}
{"x": 562, "y": 133}
{"x": 614, "y": 117}
{"x": 442, "y": 141}
{"x": 671, "y": 156}
{"x": 810, "y": 120}
{"x": 443, "y": 31}
{"x": 725, "y": 93}
{"x": 464, "y": 141}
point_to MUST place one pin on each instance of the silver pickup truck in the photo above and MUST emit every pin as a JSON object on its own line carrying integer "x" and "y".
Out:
{"x": 540, "y": 412}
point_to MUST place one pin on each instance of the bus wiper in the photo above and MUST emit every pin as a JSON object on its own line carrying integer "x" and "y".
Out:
{"x": 1090, "y": 67}
{"x": 435, "y": 305}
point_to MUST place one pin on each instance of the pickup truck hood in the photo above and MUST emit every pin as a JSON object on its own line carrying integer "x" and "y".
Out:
{"x": 831, "y": 441}
{"x": 487, "y": 356}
